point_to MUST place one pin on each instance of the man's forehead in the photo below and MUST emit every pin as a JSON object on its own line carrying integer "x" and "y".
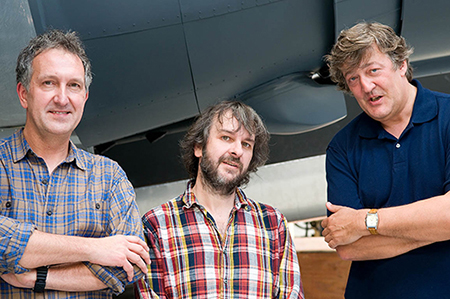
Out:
{"x": 365, "y": 60}
{"x": 46, "y": 62}
{"x": 228, "y": 122}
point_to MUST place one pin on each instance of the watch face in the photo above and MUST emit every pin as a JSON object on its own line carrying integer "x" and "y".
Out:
{"x": 372, "y": 220}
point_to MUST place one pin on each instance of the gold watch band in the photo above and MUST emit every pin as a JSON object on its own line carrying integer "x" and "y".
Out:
{"x": 373, "y": 231}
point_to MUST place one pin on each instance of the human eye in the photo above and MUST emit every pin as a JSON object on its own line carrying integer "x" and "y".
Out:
{"x": 75, "y": 86}
{"x": 246, "y": 145}
{"x": 351, "y": 80}
{"x": 225, "y": 138}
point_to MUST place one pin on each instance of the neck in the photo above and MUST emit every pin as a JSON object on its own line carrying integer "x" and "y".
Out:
{"x": 212, "y": 200}
{"x": 52, "y": 149}
{"x": 396, "y": 126}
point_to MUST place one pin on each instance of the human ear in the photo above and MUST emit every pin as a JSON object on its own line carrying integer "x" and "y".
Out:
{"x": 22, "y": 93}
{"x": 198, "y": 150}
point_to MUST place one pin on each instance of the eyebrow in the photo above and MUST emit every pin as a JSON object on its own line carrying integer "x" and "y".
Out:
{"x": 234, "y": 132}
{"x": 359, "y": 67}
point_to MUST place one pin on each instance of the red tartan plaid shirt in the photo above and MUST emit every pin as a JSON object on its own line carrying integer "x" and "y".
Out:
{"x": 256, "y": 257}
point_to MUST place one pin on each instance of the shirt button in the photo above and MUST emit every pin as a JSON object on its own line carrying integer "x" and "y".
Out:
{"x": 97, "y": 206}
{"x": 49, "y": 213}
{"x": 8, "y": 204}
{"x": 397, "y": 145}
{"x": 44, "y": 181}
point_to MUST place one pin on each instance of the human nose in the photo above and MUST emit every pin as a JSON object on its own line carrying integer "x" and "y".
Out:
{"x": 367, "y": 84}
{"x": 236, "y": 149}
{"x": 61, "y": 97}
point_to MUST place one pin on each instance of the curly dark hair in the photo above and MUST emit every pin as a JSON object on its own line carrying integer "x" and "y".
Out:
{"x": 52, "y": 39}
{"x": 353, "y": 43}
{"x": 198, "y": 134}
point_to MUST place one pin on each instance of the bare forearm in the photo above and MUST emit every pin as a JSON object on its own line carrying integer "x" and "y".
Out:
{"x": 46, "y": 249}
{"x": 115, "y": 251}
{"x": 67, "y": 278}
{"x": 73, "y": 278}
{"x": 377, "y": 247}
{"x": 424, "y": 221}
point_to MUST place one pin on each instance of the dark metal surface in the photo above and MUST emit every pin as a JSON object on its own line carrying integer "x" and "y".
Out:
{"x": 158, "y": 63}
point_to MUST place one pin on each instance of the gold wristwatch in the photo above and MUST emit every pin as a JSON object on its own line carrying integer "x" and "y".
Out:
{"x": 372, "y": 221}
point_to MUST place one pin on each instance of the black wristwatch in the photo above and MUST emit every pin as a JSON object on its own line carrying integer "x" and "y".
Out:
{"x": 39, "y": 286}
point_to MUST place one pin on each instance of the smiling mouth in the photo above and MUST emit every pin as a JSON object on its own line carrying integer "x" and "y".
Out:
{"x": 59, "y": 112}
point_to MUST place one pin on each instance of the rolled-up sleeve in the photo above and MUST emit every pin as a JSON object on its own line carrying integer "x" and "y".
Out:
{"x": 124, "y": 220}
{"x": 14, "y": 237}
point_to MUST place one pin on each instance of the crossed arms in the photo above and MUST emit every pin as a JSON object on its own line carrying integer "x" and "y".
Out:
{"x": 401, "y": 229}
{"x": 69, "y": 253}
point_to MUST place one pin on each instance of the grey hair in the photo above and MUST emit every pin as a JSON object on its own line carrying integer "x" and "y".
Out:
{"x": 53, "y": 39}
{"x": 352, "y": 46}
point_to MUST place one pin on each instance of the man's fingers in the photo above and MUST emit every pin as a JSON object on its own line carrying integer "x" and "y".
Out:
{"x": 332, "y": 208}
{"x": 324, "y": 223}
{"x": 139, "y": 241}
{"x": 142, "y": 253}
{"x": 128, "y": 268}
{"x": 139, "y": 257}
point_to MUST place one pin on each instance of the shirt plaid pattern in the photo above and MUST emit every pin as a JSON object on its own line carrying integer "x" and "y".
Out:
{"x": 190, "y": 259}
{"x": 86, "y": 195}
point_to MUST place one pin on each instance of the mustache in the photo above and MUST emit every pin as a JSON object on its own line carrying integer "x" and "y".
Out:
{"x": 232, "y": 160}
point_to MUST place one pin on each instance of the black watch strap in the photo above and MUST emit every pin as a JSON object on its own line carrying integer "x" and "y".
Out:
{"x": 39, "y": 286}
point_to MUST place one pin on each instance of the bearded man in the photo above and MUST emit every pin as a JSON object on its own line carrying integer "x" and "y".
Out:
{"x": 212, "y": 241}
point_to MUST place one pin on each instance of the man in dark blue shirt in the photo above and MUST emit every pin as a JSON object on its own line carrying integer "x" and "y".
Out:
{"x": 388, "y": 172}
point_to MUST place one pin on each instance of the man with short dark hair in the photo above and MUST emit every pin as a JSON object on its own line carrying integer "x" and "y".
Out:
{"x": 69, "y": 224}
{"x": 213, "y": 241}
{"x": 388, "y": 172}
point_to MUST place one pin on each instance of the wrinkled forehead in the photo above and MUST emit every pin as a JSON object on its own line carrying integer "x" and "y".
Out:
{"x": 359, "y": 60}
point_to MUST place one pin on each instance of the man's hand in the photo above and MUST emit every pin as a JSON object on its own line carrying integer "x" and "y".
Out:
{"x": 344, "y": 226}
{"x": 120, "y": 251}
{"x": 25, "y": 280}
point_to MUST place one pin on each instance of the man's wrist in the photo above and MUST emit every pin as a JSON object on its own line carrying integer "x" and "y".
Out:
{"x": 364, "y": 231}
{"x": 372, "y": 221}
{"x": 41, "y": 279}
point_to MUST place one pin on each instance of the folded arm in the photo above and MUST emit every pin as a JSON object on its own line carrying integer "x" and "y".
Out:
{"x": 400, "y": 229}
{"x": 115, "y": 251}
{"x": 74, "y": 277}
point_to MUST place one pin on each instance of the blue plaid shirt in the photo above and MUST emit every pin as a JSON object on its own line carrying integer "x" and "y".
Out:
{"x": 86, "y": 195}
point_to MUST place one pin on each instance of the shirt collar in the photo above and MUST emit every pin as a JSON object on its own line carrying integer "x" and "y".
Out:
{"x": 424, "y": 110}
{"x": 21, "y": 147}
{"x": 190, "y": 200}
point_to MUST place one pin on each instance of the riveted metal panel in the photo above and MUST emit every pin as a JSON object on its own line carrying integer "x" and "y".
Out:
{"x": 140, "y": 83}
{"x": 102, "y": 18}
{"x": 198, "y": 10}
{"x": 425, "y": 27}
{"x": 16, "y": 28}
{"x": 236, "y": 51}
{"x": 350, "y": 12}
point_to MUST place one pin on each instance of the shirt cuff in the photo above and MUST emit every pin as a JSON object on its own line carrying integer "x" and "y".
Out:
{"x": 14, "y": 238}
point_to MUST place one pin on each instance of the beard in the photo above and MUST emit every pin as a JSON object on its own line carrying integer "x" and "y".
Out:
{"x": 216, "y": 182}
